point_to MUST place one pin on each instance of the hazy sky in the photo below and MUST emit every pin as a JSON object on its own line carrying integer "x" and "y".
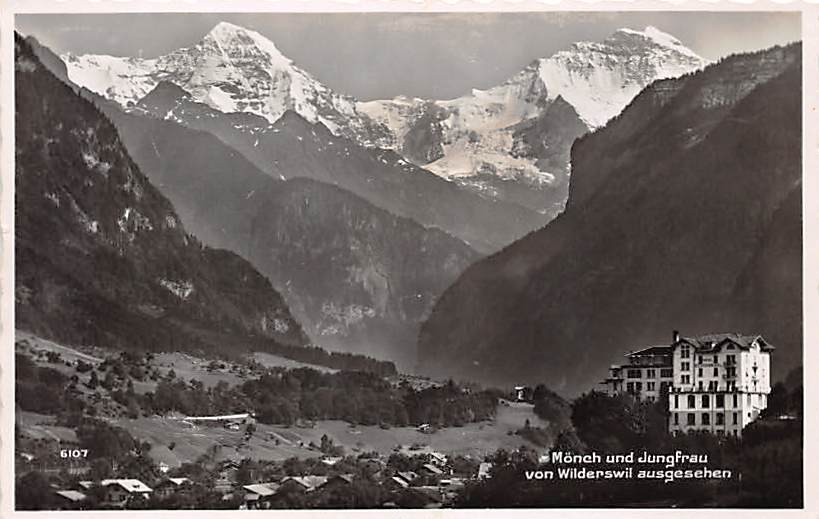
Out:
{"x": 429, "y": 55}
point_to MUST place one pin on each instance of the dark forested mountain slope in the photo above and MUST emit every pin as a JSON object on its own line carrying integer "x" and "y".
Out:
{"x": 101, "y": 256}
{"x": 293, "y": 147}
{"x": 684, "y": 213}
{"x": 358, "y": 277}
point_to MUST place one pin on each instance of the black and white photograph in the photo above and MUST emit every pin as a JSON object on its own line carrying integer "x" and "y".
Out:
{"x": 407, "y": 260}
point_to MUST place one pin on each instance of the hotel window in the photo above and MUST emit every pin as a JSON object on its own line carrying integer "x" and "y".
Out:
{"x": 699, "y": 372}
{"x": 650, "y": 386}
{"x": 699, "y": 359}
{"x": 720, "y": 401}
{"x": 720, "y": 419}
{"x": 706, "y": 419}
{"x": 706, "y": 402}
{"x": 685, "y": 366}
{"x": 630, "y": 387}
{"x": 736, "y": 402}
{"x": 666, "y": 372}
{"x": 692, "y": 402}
{"x": 699, "y": 385}
{"x": 685, "y": 352}
{"x": 730, "y": 360}
{"x": 685, "y": 379}
{"x": 676, "y": 401}
{"x": 651, "y": 373}
{"x": 716, "y": 359}
{"x": 676, "y": 418}
{"x": 639, "y": 386}
{"x": 716, "y": 372}
{"x": 634, "y": 373}
{"x": 736, "y": 418}
{"x": 691, "y": 419}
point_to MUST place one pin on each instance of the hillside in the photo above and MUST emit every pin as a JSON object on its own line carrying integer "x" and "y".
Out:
{"x": 683, "y": 214}
{"x": 101, "y": 256}
{"x": 359, "y": 278}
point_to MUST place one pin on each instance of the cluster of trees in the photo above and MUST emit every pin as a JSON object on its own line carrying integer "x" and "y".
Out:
{"x": 335, "y": 360}
{"x": 43, "y": 389}
{"x": 284, "y": 396}
{"x": 363, "y": 398}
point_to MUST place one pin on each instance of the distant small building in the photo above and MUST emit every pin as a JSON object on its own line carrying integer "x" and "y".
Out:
{"x": 397, "y": 482}
{"x": 432, "y": 470}
{"x": 120, "y": 491}
{"x": 301, "y": 483}
{"x": 337, "y": 481}
{"x": 259, "y": 495}
{"x": 484, "y": 470}
{"x": 172, "y": 486}
{"x": 438, "y": 459}
{"x": 409, "y": 476}
{"x": 523, "y": 394}
{"x": 70, "y": 499}
{"x": 331, "y": 460}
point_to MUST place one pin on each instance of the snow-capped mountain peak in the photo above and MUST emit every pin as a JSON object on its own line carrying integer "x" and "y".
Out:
{"x": 231, "y": 69}
{"x": 600, "y": 78}
{"x": 477, "y": 132}
{"x": 234, "y": 41}
{"x": 660, "y": 38}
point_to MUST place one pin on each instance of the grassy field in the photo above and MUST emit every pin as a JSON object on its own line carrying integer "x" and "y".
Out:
{"x": 41, "y": 426}
{"x": 277, "y": 443}
{"x": 269, "y": 360}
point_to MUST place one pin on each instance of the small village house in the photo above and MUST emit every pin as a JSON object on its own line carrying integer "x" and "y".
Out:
{"x": 171, "y": 486}
{"x": 70, "y": 499}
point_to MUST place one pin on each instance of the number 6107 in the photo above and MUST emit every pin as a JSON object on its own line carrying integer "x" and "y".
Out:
{"x": 73, "y": 453}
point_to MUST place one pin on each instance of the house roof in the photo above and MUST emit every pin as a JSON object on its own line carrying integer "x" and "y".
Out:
{"x": 408, "y": 475}
{"x": 348, "y": 478}
{"x": 400, "y": 481}
{"x": 71, "y": 495}
{"x": 175, "y": 481}
{"x": 308, "y": 482}
{"x": 433, "y": 468}
{"x": 714, "y": 341}
{"x": 651, "y": 350}
{"x": 262, "y": 489}
{"x": 130, "y": 485}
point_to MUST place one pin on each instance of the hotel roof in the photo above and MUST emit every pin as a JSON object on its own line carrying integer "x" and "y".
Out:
{"x": 710, "y": 342}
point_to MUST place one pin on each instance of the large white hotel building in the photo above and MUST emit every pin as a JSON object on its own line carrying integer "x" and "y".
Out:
{"x": 716, "y": 383}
